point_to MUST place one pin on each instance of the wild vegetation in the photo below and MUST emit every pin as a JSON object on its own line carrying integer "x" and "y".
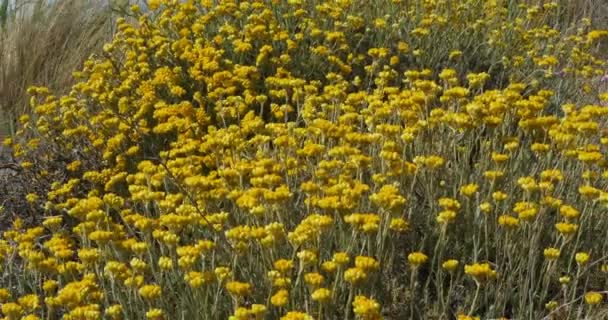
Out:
{"x": 320, "y": 160}
{"x": 41, "y": 43}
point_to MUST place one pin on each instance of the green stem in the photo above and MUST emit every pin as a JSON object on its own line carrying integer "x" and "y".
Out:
{"x": 473, "y": 304}
{"x": 349, "y": 302}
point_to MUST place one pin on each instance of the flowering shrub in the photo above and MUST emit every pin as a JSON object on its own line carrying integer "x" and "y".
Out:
{"x": 305, "y": 160}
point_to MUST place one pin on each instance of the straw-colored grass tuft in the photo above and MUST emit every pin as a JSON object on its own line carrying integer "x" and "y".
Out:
{"x": 41, "y": 43}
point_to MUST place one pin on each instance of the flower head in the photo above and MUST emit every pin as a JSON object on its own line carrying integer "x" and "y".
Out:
{"x": 450, "y": 265}
{"x": 481, "y": 272}
{"x": 593, "y": 298}
{"x": 581, "y": 258}
{"x": 417, "y": 258}
{"x": 366, "y": 308}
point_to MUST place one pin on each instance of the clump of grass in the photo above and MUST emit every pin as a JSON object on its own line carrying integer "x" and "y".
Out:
{"x": 576, "y": 10}
{"x": 41, "y": 43}
{"x": 3, "y": 12}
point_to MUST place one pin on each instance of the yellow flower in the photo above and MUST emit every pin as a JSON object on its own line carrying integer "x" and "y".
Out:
{"x": 480, "y": 271}
{"x": 398, "y": 225}
{"x": 379, "y": 23}
{"x": 314, "y": 279}
{"x": 114, "y": 311}
{"x": 150, "y": 291}
{"x": 528, "y": 184}
{"x": 366, "y": 263}
{"x": 493, "y": 174}
{"x": 499, "y": 157}
{"x": 29, "y": 302}
{"x": 241, "y": 313}
{"x": 449, "y": 204}
{"x": 283, "y": 265}
{"x": 280, "y": 298}
{"x": 450, "y": 265}
{"x": 89, "y": 256}
{"x": 551, "y": 253}
{"x": 551, "y": 305}
{"x": 499, "y": 196}
{"x": 477, "y": 80}
{"x": 366, "y": 222}
{"x": 296, "y": 315}
{"x": 222, "y": 273}
{"x": 568, "y": 212}
{"x": 341, "y": 258}
{"x": 366, "y": 308}
{"x": 593, "y": 298}
{"x": 12, "y": 310}
{"x": 48, "y": 286}
{"x": 53, "y": 222}
{"x": 355, "y": 275}
{"x": 431, "y": 162}
{"x": 485, "y": 207}
{"x": 279, "y": 282}
{"x": 540, "y": 147}
{"x": 448, "y": 74}
{"x": 589, "y": 192}
{"x": 238, "y": 289}
{"x": 74, "y": 165}
{"x": 446, "y": 216}
{"x": 553, "y": 175}
{"x": 566, "y": 228}
{"x": 321, "y": 295}
{"x": 258, "y": 309}
{"x": 589, "y": 157}
{"x": 31, "y": 197}
{"x": 197, "y": 279}
{"x": 403, "y": 47}
{"x": 469, "y": 189}
{"x": 165, "y": 263}
{"x": 155, "y": 314}
{"x": 526, "y": 210}
{"x": 581, "y": 258}
{"x": 329, "y": 266}
{"x": 4, "y": 295}
{"x": 417, "y": 258}
{"x": 455, "y": 54}
{"x": 307, "y": 257}
{"x": 593, "y": 35}
{"x": 508, "y": 221}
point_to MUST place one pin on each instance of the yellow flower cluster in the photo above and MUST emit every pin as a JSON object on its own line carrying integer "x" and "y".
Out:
{"x": 294, "y": 159}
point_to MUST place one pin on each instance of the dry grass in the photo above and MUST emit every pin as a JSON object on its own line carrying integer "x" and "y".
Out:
{"x": 42, "y": 42}
{"x": 597, "y": 10}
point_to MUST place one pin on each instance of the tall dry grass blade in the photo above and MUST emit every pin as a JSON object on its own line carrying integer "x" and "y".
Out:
{"x": 3, "y": 13}
{"x": 43, "y": 42}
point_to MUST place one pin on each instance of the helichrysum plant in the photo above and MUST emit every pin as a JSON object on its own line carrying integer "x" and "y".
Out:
{"x": 320, "y": 160}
